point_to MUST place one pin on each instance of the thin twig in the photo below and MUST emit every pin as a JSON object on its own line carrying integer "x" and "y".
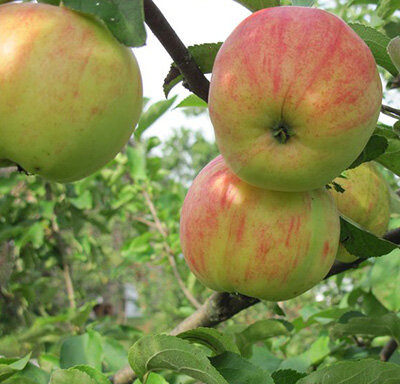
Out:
{"x": 390, "y": 111}
{"x": 194, "y": 78}
{"x": 170, "y": 254}
{"x": 63, "y": 250}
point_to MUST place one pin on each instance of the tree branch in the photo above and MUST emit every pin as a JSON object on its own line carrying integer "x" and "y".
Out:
{"x": 388, "y": 350}
{"x": 392, "y": 112}
{"x": 195, "y": 79}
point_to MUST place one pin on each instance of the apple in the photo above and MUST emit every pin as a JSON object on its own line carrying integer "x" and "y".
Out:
{"x": 294, "y": 98}
{"x": 71, "y": 94}
{"x": 366, "y": 200}
{"x": 266, "y": 244}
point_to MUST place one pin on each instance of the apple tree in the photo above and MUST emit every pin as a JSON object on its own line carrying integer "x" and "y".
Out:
{"x": 304, "y": 195}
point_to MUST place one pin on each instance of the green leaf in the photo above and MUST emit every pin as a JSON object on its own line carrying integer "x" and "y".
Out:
{"x": 391, "y": 158}
{"x": 287, "y": 376}
{"x": 204, "y": 56}
{"x": 256, "y": 5}
{"x": 33, "y": 235}
{"x": 152, "y": 114}
{"x": 259, "y": 331}
{"x": 372, "y": 306}
{"x": 366, "y": 371}
{"x": 192, "y": 101}
{"x": 52, "y": 2}
{"x": 153, "y": 378}
{"x": 377, "y": 43}
{"x": 303, "y": 3}
{"x": 375, "y": 147}
{"x": 263, "y": 358}
{"x": 124, "y": 18}
{"x": 115, "y": 355}
{"x": 392, "y": 29}
{"x": 20, "y": 364}
{"x": 83, "y": 201}
{"x": 386, "y": 8}
{"x": 386, "y": 325}
{"x": 5, "y": 371}
{"x": 137, "y": 161}
{"x": 236, "y": 370}
{"x": 31, "y": 374}
{"x": 385, "y": 280}
{"x": 96, "y": 375}
{"x": 211, "y": 338}
{"x": 393, "y": 49}
{"x": 71, "y": 376}
{"x": 84, "y": 349}
{"x": 362, "y": 243}
{"x": 168, "y": 352}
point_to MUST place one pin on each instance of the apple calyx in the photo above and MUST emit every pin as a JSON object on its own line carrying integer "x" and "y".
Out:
{"x": 282, "y": 132}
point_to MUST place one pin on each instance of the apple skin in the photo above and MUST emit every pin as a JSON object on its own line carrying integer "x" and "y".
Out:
{"x": 71, "y": 94}
{"x": 295, "y": 95}
{"x": 366, "y": 200}
{"x": 266, "y": 244}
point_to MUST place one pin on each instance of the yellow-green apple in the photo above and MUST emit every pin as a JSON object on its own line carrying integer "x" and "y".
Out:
{"x": 365, "y": 200}
{"x": 70, "y": 96}
{"x": 266, "y": 244}
{"x": 294, "y": 98}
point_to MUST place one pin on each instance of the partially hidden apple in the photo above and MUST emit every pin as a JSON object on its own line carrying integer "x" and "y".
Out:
{"x": 365, "y": 200}
{"x": 266, "y": 244}
{"x": 295, "y": 95}
{"x": 71, "y": 94}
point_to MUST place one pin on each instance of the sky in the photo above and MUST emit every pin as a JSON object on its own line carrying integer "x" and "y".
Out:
{"x": 195, "y": 22}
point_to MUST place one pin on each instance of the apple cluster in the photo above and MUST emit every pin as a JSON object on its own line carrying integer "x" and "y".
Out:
{"x": 295, "y": 96}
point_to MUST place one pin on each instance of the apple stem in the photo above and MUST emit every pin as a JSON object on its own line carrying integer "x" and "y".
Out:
{"x": 282, "y": 132}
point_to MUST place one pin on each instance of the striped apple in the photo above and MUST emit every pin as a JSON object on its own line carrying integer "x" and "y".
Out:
{"x": 265, "y": 244}
{"x": 295, "y": 95}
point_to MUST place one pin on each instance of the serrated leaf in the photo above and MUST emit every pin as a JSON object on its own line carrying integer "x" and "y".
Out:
{"x": 192, "y": 101}
{"x": 152, "y": 353}
{"x": 259, "y": 331}
{"x": 211, "y": 338}
{"x": 256, "y": 5}
{"x": 71, "y": 376}
{"x": 386, "y": 8}
{"x": 375, "y": 147}
{"x": 152, "y": 114}
{"x": 362, "y": 243}
{"x": 366, "y": 371}
{"x": 204, "y": 56}
{"x": 377, "y": 43}
{"x": 124, "y": 18}
{"x": 237, "y": 370}
{"x": 386, "y": 325}
{"x": 287, "y": 376}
